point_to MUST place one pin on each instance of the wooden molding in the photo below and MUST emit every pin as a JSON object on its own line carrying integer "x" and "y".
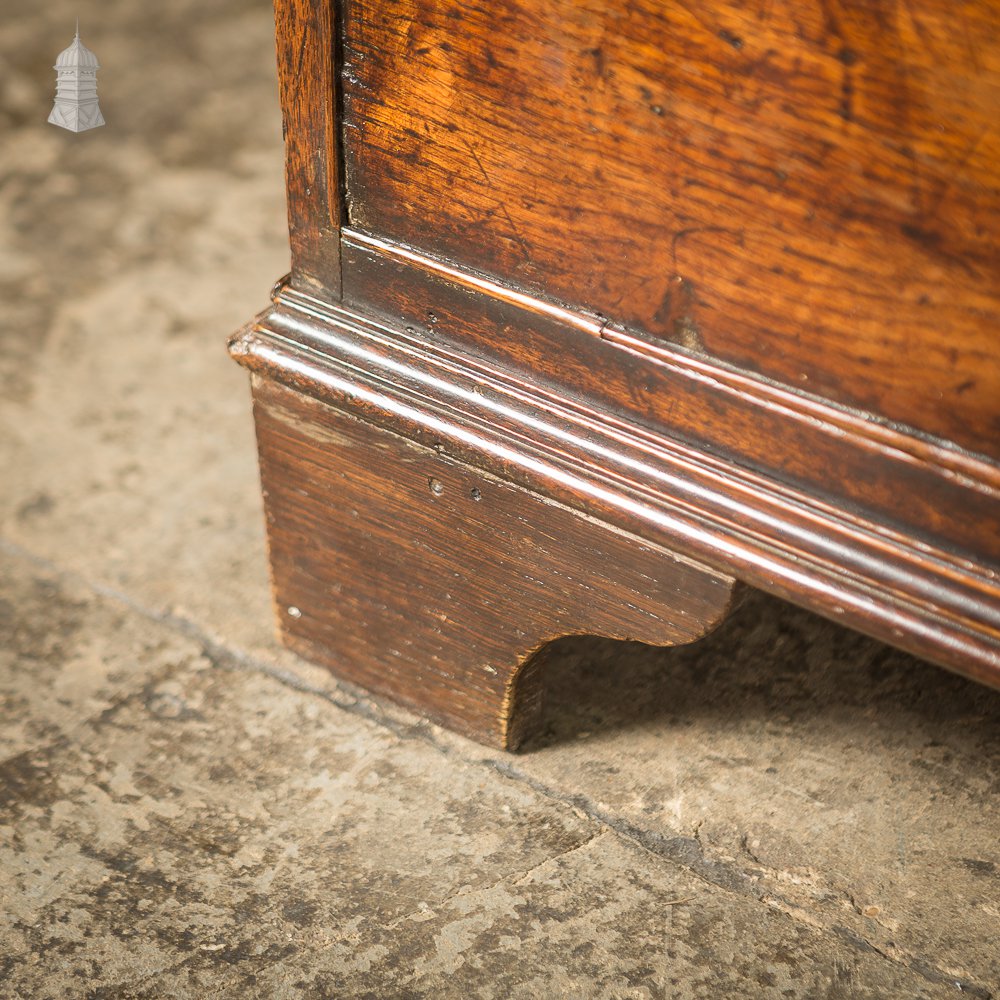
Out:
{"x": 702, "y": 473}
{"x": 397, "y": 282}
{"x": 798, "y": 405}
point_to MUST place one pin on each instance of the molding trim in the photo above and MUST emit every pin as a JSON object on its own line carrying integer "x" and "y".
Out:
{"x": 793, "y": 403}
{"x": 739, "y": 512}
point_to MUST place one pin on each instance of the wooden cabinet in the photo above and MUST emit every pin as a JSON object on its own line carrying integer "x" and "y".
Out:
{"x": 600, "y": 310}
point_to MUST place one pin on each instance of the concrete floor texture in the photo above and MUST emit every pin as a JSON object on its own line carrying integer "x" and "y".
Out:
{"x": 785, "y": 809}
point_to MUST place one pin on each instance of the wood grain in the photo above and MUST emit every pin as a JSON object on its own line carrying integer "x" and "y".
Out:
{"x": 610, "y": 304}
{"x": 915, "y": 593}
{"x": 423, "y": 579}
{"x": 807, "y": 189}
{"x": 857, "y": 466}
{"x": 305, "y": 36}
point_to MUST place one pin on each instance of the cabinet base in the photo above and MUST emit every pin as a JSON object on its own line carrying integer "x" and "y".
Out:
{"x": 440, "y": 507}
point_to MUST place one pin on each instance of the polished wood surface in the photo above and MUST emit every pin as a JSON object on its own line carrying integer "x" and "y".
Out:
{"x": 713, "y": 288}
{"x": 305, "y": 36}
{"x": 855, "y": 568}
{"x": 805, "y": 188}
{"x": 921, "y": 487}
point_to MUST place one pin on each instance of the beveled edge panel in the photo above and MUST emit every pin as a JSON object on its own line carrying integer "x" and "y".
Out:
{"x": 909, "y": 591}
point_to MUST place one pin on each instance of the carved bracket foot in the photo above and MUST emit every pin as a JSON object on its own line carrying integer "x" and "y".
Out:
{"x": 416, "y": 576}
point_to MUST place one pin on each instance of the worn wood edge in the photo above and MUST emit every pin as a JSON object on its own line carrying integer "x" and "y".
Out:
{"x": 522, "y": 710}
{"x": 305, "y": 37}
{"x": 518, "y": 720}
{"x": 826, "y": 416}
{"x": 918, "y": 597}
{"x": 521, "y": 713}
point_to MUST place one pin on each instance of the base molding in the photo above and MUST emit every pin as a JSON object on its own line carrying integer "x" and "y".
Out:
{"x": 856, "y": 564}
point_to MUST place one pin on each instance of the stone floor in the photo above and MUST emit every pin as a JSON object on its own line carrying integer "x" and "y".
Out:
{"x": 785, "y": 809}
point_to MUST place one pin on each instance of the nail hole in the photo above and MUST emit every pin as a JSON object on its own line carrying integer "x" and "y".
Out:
{"x": 477, "y": 494}
{"x": 437, "y": 487}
